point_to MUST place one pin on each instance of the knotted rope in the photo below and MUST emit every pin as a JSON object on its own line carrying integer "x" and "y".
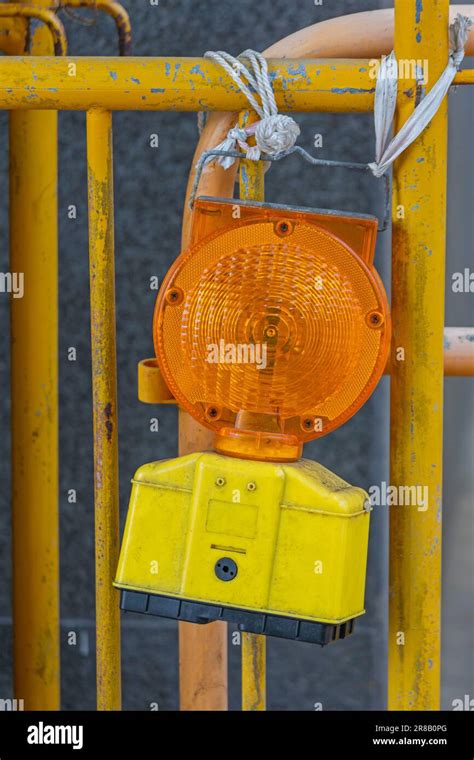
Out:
{"x": 274, "y": 133}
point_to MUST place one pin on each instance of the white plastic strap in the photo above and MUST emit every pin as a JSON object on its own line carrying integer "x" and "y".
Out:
{"x": 387, "y": 151}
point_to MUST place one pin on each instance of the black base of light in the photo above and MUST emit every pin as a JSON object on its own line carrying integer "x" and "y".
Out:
{"x": 244, "y": 620}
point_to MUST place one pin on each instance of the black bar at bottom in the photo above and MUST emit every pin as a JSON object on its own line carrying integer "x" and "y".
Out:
{"x": 337, "y": 734}
{"x": 245, "y": 620}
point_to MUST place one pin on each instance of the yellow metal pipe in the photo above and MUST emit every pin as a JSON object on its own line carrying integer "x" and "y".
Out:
{"x": 254, "y": 648}
{"x": 178, "y": 84}
{"x": 251, "y": 176}
{"x": 181, "y": 84}
{"x": 115, "y": 11}
{"x": 13, "y": 34}
{"x": 104, "y": 387}
{"x": 252, "y": 187}
{"x": 418, "y": 277}
{"x": 34, "y": 388}
{"x": 52, "y": 22}
{"x": 466, "y": 76}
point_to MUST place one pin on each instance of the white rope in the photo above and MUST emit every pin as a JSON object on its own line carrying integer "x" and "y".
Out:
{"x": 274, "y": 132}
{"x": 387, "y": 151}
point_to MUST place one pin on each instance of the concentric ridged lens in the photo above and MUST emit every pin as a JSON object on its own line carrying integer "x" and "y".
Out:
{"x": 294, "y": 327}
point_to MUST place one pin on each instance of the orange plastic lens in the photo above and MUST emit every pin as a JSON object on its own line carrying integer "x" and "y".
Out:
{"x": 279, "y": 321}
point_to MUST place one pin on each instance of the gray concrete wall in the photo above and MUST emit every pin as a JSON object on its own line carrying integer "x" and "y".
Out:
{"x": 149, "y": 187}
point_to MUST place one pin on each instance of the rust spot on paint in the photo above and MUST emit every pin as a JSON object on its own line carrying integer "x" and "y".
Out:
{"x": 108, "y": 421}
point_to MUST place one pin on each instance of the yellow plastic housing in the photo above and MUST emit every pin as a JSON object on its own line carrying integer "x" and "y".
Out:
{"x": 297, "y": 533}
{"x": 273, "y": 315}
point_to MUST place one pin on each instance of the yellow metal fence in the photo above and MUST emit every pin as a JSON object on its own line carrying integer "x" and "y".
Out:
{"x": 34, "y": 88}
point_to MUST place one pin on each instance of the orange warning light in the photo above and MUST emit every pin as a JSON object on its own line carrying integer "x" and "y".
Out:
{"x": 273, "y": 327}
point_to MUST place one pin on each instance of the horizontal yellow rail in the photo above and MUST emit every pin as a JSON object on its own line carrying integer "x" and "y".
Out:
{"x": 178, "y": 84}
{"x": 182, "y": 84}
{"x": 465, "y": 77}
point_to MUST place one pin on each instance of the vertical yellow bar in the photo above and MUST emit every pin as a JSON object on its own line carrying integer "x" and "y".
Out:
{"x": 104, "y": 387}
{"x": 418, "y": 277}
{"x": 34, "y": 389}
{"x": 254, "y": 651}
{"x": 252, "y": 187}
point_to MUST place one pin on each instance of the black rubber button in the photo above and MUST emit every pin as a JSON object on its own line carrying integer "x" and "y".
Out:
{"x": 225, "y": 569}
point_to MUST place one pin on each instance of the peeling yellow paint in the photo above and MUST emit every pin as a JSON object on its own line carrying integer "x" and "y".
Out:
{"x": 254, "y": 647}
{"x": 34, "y": 369}
{"x": 104, "y": 387}
{"x": 417, "y": 382}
